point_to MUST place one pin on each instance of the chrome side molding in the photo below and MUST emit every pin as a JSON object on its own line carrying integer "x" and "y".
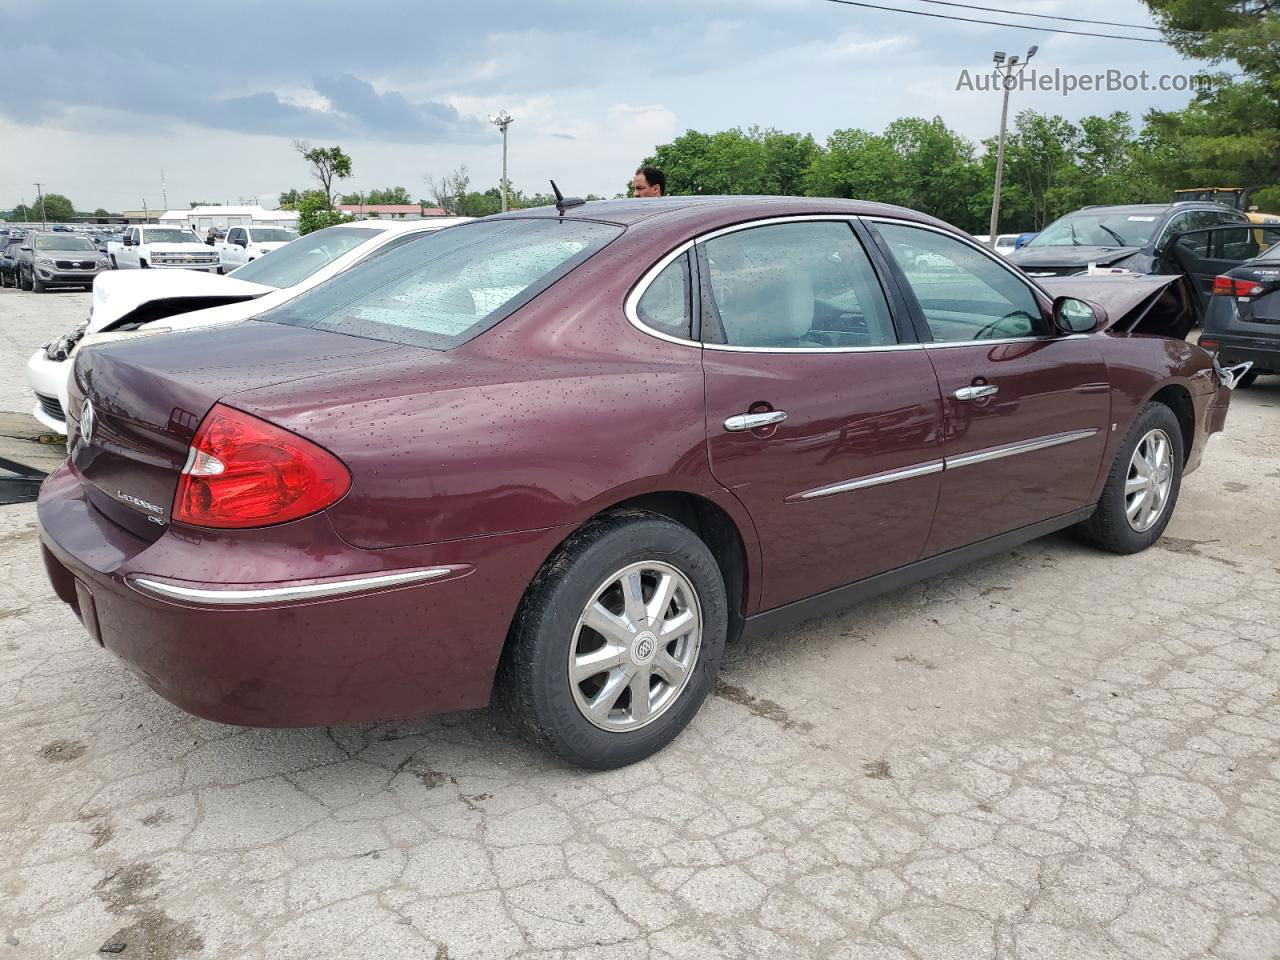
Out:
{"x": 232, "y": 595}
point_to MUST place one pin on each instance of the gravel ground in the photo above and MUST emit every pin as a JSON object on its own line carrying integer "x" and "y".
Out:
{"x": 1051, "y": 754}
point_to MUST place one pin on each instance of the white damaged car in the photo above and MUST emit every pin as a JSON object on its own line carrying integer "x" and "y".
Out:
{"x": 135, "y": 303}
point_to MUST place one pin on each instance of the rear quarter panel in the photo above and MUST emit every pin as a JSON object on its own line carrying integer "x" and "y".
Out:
{"x": 1140, "y": 366}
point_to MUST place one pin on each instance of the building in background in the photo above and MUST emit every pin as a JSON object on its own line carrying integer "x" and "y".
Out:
{"x": 390, "y": 211}
{"x": 202, "y": 218}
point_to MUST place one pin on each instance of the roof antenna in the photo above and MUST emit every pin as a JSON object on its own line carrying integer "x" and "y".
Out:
{"x": 563, "y": 203}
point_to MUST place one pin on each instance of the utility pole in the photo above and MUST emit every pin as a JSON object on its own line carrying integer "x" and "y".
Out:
{"x": 502, "y": 120}
{"x": 1011, "y": 69}
{"x": 146, "y": 214}
{"x": 44, "y": 220}
{"x": 164, "y": 191}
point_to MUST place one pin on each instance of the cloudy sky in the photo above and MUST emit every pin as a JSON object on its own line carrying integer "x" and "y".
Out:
{"x": 101, "y": 97}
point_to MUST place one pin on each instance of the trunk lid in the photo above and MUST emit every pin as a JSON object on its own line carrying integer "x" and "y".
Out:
{"x": 148, "y": 396}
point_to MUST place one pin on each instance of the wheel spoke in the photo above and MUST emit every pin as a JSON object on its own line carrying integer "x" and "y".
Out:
{"x": 669, "y": 668}
{"x": 587, "y": 665}
{"x": 1135, "y": 506}
{"x": 1140, "y": 465}
{"x": 640, "y": 696}
{"x": 1134, "y": 484}
{"x": 661, "y": 599}
{"x": 677, "y": 626}
{"x": 607, "y": 624}
{"x": 608, "y": 695}
{"x": 633, "y": 597}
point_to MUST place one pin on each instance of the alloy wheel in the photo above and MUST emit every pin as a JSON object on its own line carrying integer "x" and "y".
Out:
{"x": 635, "y": 646}
{"x": 1150, "y": 478}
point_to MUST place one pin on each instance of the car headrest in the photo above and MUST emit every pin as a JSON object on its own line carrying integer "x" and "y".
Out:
{"x": 767, "y": 306}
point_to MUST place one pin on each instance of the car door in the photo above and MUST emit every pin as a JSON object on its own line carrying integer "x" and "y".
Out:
{"x": 1025, "y": 411}
{"x": 234, "y": 254}
{"x": 823, "y": 415}
{"x": 1195, "y": 247}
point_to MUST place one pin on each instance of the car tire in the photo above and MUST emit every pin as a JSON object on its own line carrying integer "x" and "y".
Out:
{"x": 114, "y": 265}
{"x": 1131, "y": 517}
{"x": 549, "y": 633}
{"x": 143, "y": 265}
{"x": 25, "y": 282}
{"x": 37, "y": 285}
{"x": 1248, "y": 379}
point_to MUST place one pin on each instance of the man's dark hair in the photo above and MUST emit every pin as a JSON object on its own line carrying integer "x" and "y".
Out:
{"x": 654, "y": 177}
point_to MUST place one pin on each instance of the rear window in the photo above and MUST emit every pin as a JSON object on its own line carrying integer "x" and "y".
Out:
{"x": 300, "y": 258}
{"x": 445, "y": 288}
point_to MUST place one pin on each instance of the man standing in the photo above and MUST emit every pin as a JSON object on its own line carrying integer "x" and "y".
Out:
{"x": 649, "y": 182}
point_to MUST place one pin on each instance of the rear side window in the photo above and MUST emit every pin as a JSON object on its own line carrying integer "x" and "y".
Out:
{"x": 665, "y": 305}
{"x": 796, "y": 286}
{"x": 445, "y": 288}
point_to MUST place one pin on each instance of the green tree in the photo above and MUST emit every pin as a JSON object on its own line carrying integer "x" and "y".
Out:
{"x": 54, "y": 207}
{"x": 100, "y": 212}
{"x": 1244, "y": 31}
{"x": 751, "y": 161}
{"x": 327, "y": 164}
{"x": 384, "y": 195}
{"x": 941, "y": 174}
{"x": 289, "y": 199}
{"x": 316, "y": 212}
{"x": 22, "y": 214}
{"x": 860, "y": 165}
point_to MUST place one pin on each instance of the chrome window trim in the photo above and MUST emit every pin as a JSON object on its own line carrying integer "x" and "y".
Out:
{"x": 940, "y": 466}
{"x": 242, "y": 596}
{"x": 1023, "y": 446}
{"x": 642, "y": 285}
{"x": 873, "y": 480}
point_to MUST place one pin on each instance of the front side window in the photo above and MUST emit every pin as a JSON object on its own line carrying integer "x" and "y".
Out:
{"x": 801, "y": 285}
{"x": 664, "y": 306}
{"x": 963, "y": 293}
{"x": 294, "y": 262}
{"x": 447, "y": 287}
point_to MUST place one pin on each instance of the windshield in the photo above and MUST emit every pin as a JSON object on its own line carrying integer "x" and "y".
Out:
{"x": 271, "y": 235}
{"x": 63, "y": 243}
{"x": 172, "y": 235}
{"x": 444, "y": 288}
{"x": 1271, "y": 255}
{"x": 294, "y": 262}
{"x": 1090, "y": 228}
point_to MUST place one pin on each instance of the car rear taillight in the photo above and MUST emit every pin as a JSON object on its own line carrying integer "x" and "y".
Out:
{"x": 245, "y": 472}
{"x": 1208, "y": 344}
{"x": 1233, "y": 287}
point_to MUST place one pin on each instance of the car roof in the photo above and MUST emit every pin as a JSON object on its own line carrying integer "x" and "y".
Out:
{"x": 1153, "y": 207}
{"x": 728, "y": 208}
{"x": 405, "y": 226}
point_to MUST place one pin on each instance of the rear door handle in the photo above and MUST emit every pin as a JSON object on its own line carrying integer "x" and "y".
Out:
{"x": 754, "y": 421}
{"x": 978, "y": 392}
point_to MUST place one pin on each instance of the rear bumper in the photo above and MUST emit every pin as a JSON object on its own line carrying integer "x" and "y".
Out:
{"x": 289, "y": 626}
{"x": 1231, "y": 350}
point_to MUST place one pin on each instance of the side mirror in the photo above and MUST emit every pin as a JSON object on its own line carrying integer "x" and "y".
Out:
{"x": 1071, "y": 315}
{"x": 25, "y": 249}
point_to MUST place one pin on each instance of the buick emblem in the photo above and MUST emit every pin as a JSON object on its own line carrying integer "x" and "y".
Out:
{"x": 86, "y": 422}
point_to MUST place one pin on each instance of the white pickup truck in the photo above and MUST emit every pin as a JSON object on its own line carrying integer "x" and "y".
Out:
{"x": 243, "y": 244}
{"x": 154, "y": 247}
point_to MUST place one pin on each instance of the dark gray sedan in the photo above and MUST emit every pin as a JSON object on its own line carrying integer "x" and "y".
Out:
{"x": 49, "y": 260}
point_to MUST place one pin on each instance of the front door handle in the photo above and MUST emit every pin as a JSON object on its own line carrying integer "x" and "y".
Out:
{"x": 977, "y": 392}
{"x": 754, "y": 421}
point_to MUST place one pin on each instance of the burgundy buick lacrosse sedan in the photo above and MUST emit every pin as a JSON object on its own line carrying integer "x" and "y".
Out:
{"x": 558, "y": 457}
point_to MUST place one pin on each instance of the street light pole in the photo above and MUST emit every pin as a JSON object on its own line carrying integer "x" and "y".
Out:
{"x": 1011, "y": 69}
{"x": 502, "y": 120}
{"x": 44, "y": 220}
